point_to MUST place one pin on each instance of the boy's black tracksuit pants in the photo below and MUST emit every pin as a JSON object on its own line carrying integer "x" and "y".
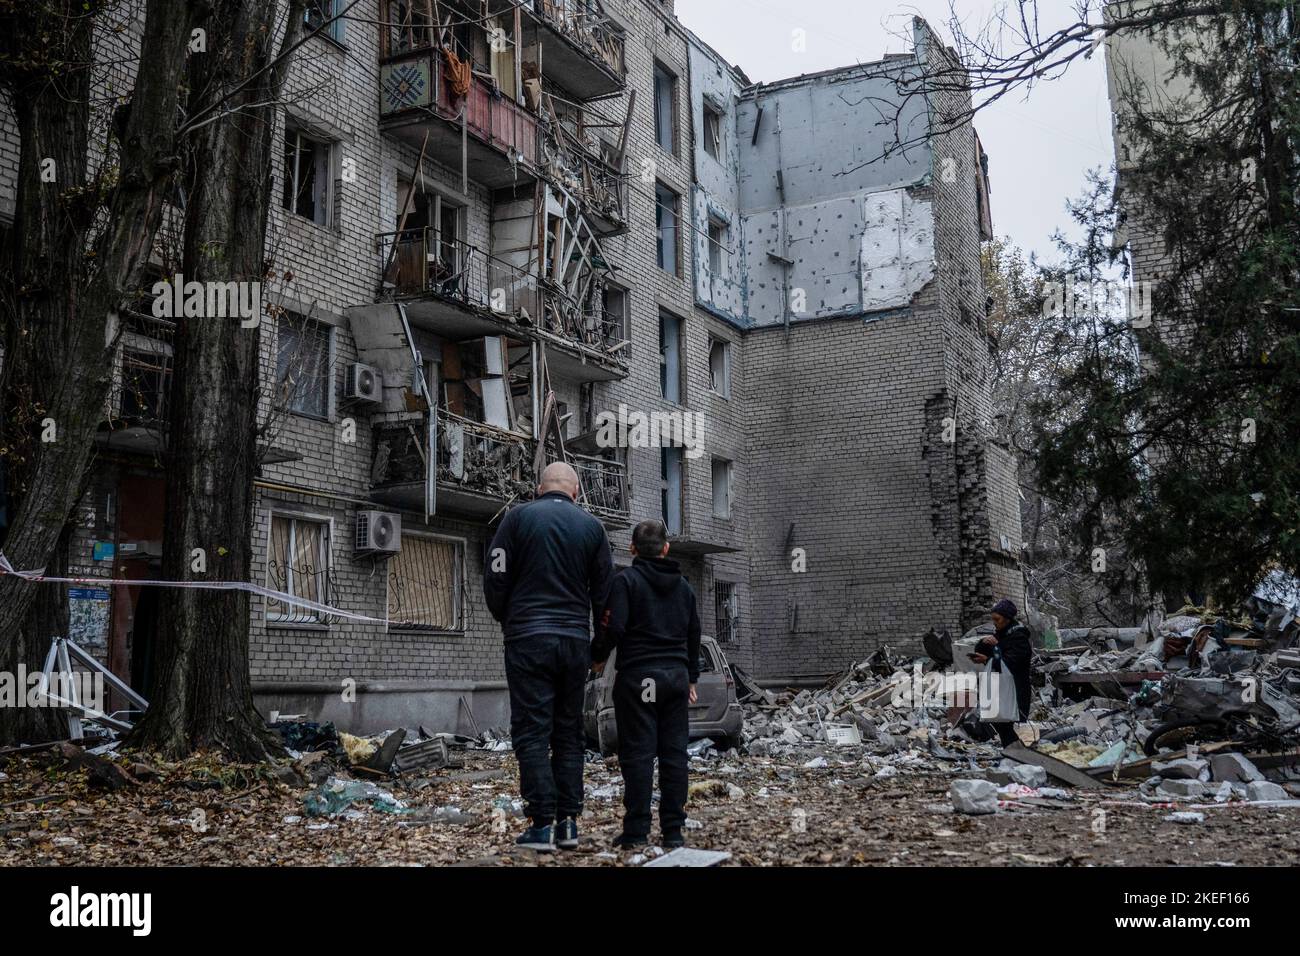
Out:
{"x": 653, "y": 721}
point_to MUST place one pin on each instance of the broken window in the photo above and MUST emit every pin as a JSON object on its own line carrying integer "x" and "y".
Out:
{"x": 501, "y": 44}
{"x": 720, "y": 367}
{"x": 614, "y": 304}
{"x": 430, "y": 254}
{"x": 476, "y": 384}
{"x": 712, "y": 132}
{"x": 298, "y": 564}
{"x": 146, "y": 372}
{"x": 670, "y": 484}
{"x": 670, "y": 357}
{"x": 320, "y": 11}
{"x": 717, "y": 247}
{"x": 303, "y": 365}
{"x": 307, "y": 176}
{"x": 425, "y": 584}
{"x": 721, "y": 488}
{"x": 407, "y": 29}
{"x": 665, "y": 109}
{"x": 726, "y": 611}
{"x": 666, "y": 214}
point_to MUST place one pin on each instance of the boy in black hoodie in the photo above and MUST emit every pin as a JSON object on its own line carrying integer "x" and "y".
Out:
{"x": 652, "y": 620}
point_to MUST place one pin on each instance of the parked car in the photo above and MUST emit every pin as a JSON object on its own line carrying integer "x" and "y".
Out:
{"x": 716, "y": 712}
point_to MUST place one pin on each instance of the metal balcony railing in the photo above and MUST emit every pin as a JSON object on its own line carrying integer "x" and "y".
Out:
{"x": 582, "y": 23}
{"x": 604, "y": 485}
{"x": 598, "y": 185}
{"x": 420, "y": 262}
{"x": 479, "y": 458}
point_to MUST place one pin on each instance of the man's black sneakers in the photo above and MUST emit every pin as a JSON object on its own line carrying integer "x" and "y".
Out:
{"x": 625, "y": 841}
{"x": 539, "y": 838}
{"x": 566, "y": 834}
{"x": 673, "y": 839}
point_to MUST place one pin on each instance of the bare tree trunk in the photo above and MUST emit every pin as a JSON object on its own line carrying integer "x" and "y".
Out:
{"x": 47, "y": 616}
{"x": 80, "y": 246}
{"x": 202, "y": 694}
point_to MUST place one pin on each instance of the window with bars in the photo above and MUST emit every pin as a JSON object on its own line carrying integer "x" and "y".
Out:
{"x": 726, "y": 611}
{"x": 303, "y": 365}
{"x": 426, "y": 584}
{"x": 298, "y": 564}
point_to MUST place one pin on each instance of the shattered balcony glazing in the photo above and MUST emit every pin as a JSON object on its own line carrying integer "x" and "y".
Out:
{"x": 586, "y": 52}
{"x": 423, "y": 103}
{"x": 468, "y": 283}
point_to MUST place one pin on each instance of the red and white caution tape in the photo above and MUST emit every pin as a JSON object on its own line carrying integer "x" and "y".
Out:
{"x": 39, "y": 577}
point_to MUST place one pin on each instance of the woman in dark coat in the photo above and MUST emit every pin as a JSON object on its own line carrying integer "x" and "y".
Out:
{"x": 1012, "y": 644}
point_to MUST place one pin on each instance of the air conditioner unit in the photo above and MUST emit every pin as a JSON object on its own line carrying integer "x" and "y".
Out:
{"x": 363, "y": 384}
{"x": 378, "y": 532}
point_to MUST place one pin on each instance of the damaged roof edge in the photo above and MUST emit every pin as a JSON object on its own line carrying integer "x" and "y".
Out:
{"x": 888, "y": 63}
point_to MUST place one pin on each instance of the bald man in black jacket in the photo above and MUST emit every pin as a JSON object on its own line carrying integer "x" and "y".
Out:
{"x": 547, "y": 570}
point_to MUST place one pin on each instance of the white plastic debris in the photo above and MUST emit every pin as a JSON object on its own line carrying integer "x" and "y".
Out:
{"x": 1186, "y": 816}
{"x": 689, "y": 856}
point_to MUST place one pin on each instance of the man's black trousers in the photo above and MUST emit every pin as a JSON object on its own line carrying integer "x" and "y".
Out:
{"x": 653, "y": 721}
{"x": 546, "y": 675}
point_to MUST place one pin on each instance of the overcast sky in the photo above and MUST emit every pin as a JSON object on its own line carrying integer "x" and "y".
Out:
{"x": 1039, "y": 146}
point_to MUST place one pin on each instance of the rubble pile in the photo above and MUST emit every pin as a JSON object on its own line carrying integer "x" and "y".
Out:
{"x": 1204, "y": 709}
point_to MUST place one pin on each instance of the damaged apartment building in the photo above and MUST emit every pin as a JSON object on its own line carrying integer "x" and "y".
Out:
{"x": 496, "y": 225}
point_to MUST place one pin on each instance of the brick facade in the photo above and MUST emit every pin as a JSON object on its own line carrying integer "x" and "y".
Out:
{"x": 835, "y": 420}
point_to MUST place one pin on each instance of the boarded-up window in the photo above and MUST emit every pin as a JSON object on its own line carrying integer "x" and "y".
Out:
{"x": 297, "y": 564}
{"x": 425, "y": 584}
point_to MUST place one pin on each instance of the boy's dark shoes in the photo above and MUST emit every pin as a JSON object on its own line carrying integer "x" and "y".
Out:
{"x": 566, "y": 834}
{"x": 626, "y": 842}
{"x": 541, "y": 839}
{"x": 673, "y": 840}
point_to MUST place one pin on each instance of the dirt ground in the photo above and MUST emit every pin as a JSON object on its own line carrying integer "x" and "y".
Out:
{"x": 202, "y": 812}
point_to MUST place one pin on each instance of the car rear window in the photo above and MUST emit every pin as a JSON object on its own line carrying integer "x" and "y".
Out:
{"x": 706, "y": 662}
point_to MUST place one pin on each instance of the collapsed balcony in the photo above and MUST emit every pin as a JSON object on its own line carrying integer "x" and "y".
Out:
{"x": 581, "y": 49}
{"x": 459, "y": 292}
{"x": 585, "y": 165}
{"x": 480, "y": 468}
